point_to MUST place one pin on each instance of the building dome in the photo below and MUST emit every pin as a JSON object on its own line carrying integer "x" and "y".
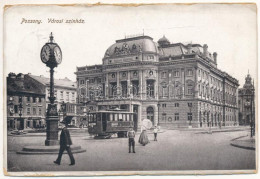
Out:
{"x": 131, "y": 46}
{"x": 163, "y": 41}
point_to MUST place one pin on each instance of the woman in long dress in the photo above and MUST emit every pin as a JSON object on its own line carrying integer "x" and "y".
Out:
{"x": 143, "y": 139}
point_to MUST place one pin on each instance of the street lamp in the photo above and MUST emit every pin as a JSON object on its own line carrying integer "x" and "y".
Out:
{"x": 20, "y": 114}
{"x": 190, "y": 114}
{"x": 158, "y": 105}
{"x": 51, "y": 55}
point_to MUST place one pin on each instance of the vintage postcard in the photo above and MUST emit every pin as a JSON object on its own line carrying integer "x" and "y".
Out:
{"x": 136, "y": 89}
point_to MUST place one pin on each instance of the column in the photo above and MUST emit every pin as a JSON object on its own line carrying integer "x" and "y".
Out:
{"x": 183, "y": 81}
{"x": 117, "y": 83}
{"x": 156, "y": 86}
{"x": 106, "y": 87}
{"x": 196, "y": 84}
{"x": 141, "y": 83}
{"x": 128, "y": 83}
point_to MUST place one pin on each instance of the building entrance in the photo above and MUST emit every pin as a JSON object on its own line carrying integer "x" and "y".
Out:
{"x": 150, "y": 114}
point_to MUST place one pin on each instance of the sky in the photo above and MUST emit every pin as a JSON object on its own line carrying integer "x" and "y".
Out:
{"x": 228, "y": 29}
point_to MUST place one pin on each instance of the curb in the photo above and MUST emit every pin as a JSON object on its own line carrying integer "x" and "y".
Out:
{"x": 233, "y": 143}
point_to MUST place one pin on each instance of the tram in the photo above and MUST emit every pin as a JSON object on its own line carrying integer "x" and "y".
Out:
{"x": 103, "y": 124}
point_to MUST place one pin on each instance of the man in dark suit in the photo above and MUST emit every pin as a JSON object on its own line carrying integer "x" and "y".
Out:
{"x": 65, "y": 142}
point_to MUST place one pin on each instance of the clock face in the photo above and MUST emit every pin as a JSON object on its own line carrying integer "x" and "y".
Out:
{"x": 57, "y": 54}
{"x": 45, "y": 53}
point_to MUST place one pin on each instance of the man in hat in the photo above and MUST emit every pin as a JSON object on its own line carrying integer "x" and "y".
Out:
{"x": 131, "y": 139}
{"x": 65, "y": 142}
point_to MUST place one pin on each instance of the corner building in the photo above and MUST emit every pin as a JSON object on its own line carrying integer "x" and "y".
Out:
{"x": 172, "y": 84}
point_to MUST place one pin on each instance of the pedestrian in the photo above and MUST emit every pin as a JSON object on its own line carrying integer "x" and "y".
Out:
{"x": 155, "y": 131}
{"x": 65, "y": 142}
{"x": 143, "y": 139}
{"x": 131, "y": 139}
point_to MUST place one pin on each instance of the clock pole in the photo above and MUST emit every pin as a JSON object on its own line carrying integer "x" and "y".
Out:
{"x": 52, "y": 118}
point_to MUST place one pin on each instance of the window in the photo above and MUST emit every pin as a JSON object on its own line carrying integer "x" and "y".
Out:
{"x": 82, "y": 82}
{"x": 67, "y": 96}
{"x": 61, "y": 95}
{"x": 176, "y": 104}
{"x": 164, "y": 74}
{"x": 176, "y": 73}
{"x": 164, "y": 117}
{"x": 113, "y": 75}
{"x": 164, "y": 105}
{"x": 15, "y": 108}
{"x": 150, "y": 88}
{"x": 124, "y": 74}
{"x": 34, "y": 111}
{"x": 91, "y": 80}
{"x": 40, "y": 99}
{"x": 28, "y": 111}
{"x": 40, "y": 111}
{"x": 73, "y": 96}
{"x": 189, "y": 88}
{"x": 189, "y": 116}
{"x": 28, "y": 99}
{"x": 189, "y": 72}
{"x": 199, "y": 72}
{"x": 176, "y": 116}
{"x": 34, "y": 99}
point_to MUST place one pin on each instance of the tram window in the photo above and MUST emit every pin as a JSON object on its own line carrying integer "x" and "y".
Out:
{"x": 98, "y": 117}
{"x": 127, "y": 117}
{"x": 90, "y": 118}
{"x": 123, "y": 117}
{"x": 108, "y": 117}
{"x": 120, "y": 118}
{"x": 94, "y": 118}
{"x": 116, "y": 117}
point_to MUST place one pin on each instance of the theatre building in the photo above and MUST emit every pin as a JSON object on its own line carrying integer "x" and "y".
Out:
{"x": 172, "y": 84}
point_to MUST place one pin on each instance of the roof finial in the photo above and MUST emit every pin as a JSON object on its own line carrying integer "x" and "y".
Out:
{"x": 51, "y": 38}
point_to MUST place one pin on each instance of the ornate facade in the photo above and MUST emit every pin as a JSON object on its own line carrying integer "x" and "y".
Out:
{"x": 246, "y": 103}
{"x": 173, "y": 84}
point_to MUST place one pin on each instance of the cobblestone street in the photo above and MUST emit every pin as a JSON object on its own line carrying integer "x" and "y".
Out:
{"x": 175, "y": 150}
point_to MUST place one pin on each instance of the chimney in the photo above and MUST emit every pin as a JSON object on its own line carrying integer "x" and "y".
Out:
{"x": 215, "y": 57}
{"x": 12, "y": 75}
{"x": 205, "y": 50}
{"x": 189, "y": 48}
{"x": 20, "y": 76}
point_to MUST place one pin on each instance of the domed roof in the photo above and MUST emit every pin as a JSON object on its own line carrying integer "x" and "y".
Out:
{"x": 130, "y": 46}
{"x": 163, "y": 41}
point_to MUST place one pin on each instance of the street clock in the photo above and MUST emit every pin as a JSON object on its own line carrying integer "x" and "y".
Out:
{"x": 51, "y": 54}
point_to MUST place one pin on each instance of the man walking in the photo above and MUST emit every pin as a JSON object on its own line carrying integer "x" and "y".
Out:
{"x": 65, "y": 142}
{"x": 131, "y": 140}
{"x": 155, "y": 131}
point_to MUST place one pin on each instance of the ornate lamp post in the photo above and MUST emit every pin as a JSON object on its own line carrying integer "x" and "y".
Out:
{"x": 51, "y": 55}
{"x": 20, "y": 114}
{"x": 190, "y": 115}
{"x": 158, "y": 105}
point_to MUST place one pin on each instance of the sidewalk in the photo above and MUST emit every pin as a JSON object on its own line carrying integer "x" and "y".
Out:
{"x": 213, "y": 129}
{"x": 245, "y": 142}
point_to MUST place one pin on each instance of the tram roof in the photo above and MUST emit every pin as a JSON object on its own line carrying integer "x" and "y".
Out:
{"x": 114, "y": 112}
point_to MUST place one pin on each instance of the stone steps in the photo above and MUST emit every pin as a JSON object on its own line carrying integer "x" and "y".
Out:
{"x": 36, "y": 150}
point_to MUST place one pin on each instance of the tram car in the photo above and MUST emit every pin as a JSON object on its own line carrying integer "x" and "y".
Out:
{"x": 103, "y": 124}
